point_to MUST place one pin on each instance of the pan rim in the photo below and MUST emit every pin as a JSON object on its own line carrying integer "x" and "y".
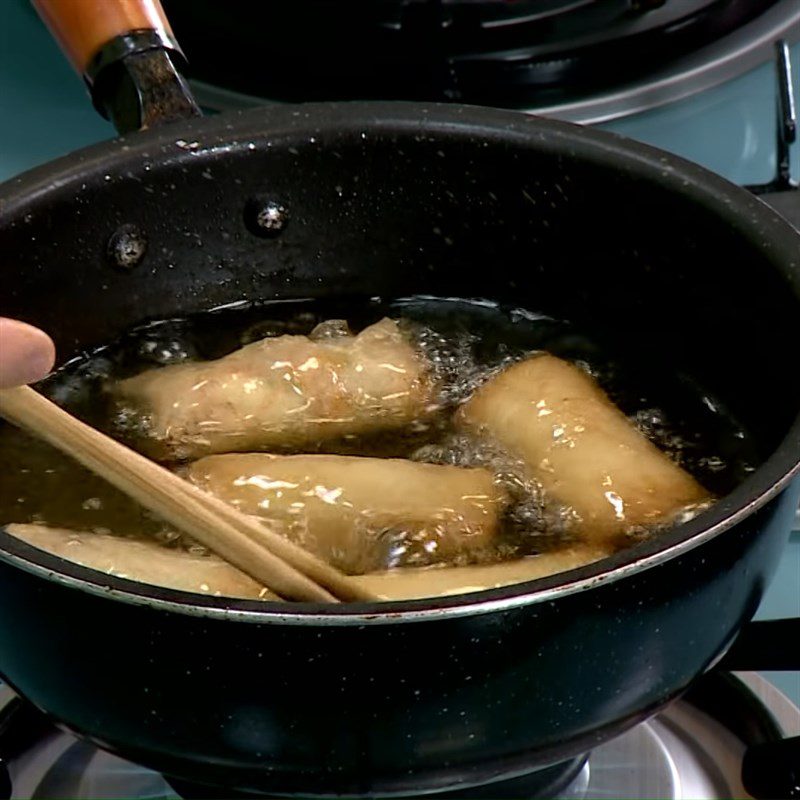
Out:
{"x": 771, "y": 478}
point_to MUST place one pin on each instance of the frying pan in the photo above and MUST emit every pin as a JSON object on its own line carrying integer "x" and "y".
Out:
{"x": 393, "y": 199}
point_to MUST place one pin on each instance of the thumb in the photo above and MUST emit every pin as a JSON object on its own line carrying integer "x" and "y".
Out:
{"x": 26, "y": 353}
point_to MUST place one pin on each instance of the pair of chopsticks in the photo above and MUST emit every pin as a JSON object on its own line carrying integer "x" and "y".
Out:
{"x": 246, "y": 543}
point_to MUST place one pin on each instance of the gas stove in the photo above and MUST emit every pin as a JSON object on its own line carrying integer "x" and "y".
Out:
{"x": 720, "y": 740}
{"x": 715, "y": 107}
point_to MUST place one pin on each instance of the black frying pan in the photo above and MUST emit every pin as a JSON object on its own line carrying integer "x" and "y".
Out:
{"x": 685, "y": 268}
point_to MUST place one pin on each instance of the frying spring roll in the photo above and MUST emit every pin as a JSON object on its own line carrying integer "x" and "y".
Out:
{"x": 146, "y": 562}
{"x": 582, "y": 449}
{"x": 360, "y": 514}
{"x": 439, "y": 581}
{"x": 157, "y": 566}
{"x": 282, "y": 392}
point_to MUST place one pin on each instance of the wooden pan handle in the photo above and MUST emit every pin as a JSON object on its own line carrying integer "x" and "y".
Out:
{"x": 126, "y": 53}
{"x": 83, "y": 27}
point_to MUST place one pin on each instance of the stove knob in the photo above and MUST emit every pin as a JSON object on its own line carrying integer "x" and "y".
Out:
{"x": 772, "y": 769}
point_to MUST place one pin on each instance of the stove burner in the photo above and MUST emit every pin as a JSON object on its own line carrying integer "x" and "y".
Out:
{"x": 528, "y": 54}
{"x": 694, "y": 749}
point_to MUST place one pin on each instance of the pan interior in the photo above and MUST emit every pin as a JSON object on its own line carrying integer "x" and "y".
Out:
{"x": 662, "y": 261}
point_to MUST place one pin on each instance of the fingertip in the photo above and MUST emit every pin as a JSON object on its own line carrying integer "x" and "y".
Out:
{"x": 27, "y": 354}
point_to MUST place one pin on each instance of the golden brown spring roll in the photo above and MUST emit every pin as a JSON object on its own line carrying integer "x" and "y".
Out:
{"x": 146, "y": 562}
{"x": 282, "y": 392}
{"x": 582, "y": 449}
{"x": 360, "y": 514}
{"x": 158, "y": 566}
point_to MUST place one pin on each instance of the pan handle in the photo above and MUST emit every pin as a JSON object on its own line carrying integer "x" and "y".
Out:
{"x": 128, "y": 56}
{"x": 83, "y": 27}
{"x": 764, "y": 645}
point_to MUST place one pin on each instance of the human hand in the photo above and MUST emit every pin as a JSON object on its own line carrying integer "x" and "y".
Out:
{"x": 26, "y": 353}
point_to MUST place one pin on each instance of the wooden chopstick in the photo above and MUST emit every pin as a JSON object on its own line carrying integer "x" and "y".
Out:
{"x": 315, "y": 568}
{"x": 246, "y": 543}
